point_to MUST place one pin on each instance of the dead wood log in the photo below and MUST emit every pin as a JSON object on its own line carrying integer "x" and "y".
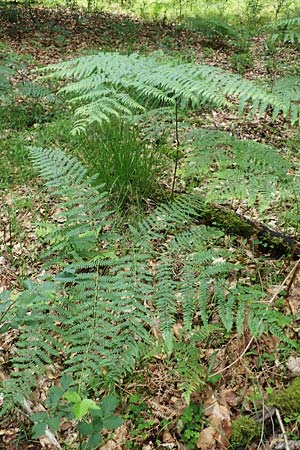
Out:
{"x": 266, "y": 241}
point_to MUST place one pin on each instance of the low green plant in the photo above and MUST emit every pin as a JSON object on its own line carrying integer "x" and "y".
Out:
{"x": 191, "y": 423}
{"x": 294, "y": 420}
{"x": 271, "y": 49}
{"x": 286, "y": 31}
{"x": 96, "y": 311}
{"x": 139, "y": 414}
{"x": 287, "y": 400}
{"x": 122, "y": 161}
{"x": 208, "y": 52}
{"x": 241, "y": 62}
{"x": 254, "y": 11}
{"x": 10, "y": 13}
{"x": 28, "y": 113}
{"x": 244, "y": 431}
{"x": 189, "y": 366}
{"x": 89, "y": 417}
{"x": 35, "y": 102}
{"x": 14, "y": 161}
{"x": 215, "y": 30}
{"x": 225, "y": 167}
{"x": 127, "y": 28}
{"x": 243, "y": 43}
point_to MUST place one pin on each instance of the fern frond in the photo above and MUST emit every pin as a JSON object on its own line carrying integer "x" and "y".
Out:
{"x": 247, "y": 93}
{"x": 34, "y": 90}
{"x": 286, "y": 30}
{"x": 228, "y": 168}
{"x": 107, "y": 319}
{"x": 288, "y": 87}
{"x": 165, "y": 300}
{"x": 225, "y": 306}
{"x": 189, "y": 366}
{"x": 97, "y": 312}
{"x": 212, "y": 29}
{"x": 145, "y": 80}
{"x": 96, "y": 82}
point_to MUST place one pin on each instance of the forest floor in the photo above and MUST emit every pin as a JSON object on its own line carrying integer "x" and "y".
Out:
{"x": 154, "y": 417}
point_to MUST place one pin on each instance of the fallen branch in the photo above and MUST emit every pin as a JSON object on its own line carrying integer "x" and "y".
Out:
{"x": 271, "y": 242}
{"x": 285, "y": 439}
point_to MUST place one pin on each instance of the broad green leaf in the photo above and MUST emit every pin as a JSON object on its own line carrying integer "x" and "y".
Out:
{"x": 80, "y": 409}
{"x": 54, "y": 423}
{"x": 40, "y": 416}
{"x": 72, "y": 396}
{"x": 109, "y": 404}
{"x": 66, "y": 381}
{"x": 55, "y": 394}
{"x": 94, "y": 441}
{"x": 38, "y": 429}
{"x": 85, "y": 428}
{"x": 112, "y": 422}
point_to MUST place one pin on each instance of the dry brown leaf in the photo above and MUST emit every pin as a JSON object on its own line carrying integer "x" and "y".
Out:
{"x": 156, "y": 331}
{"x": 294, "y": 297}
{"x": 209, "y": 403}
{"x": 230, "y": 397}
{"x": 111, "y": 445}
{"x": 270, "y": 342}
{"x": 206, "y": 439}
{"x": 167, "y": 437}
{"x": 221, "y": 422}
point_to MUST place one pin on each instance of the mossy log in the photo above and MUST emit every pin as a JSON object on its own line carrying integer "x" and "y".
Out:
{"x": 270, "y": 242}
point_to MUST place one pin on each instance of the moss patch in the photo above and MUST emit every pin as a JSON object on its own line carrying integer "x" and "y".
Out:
{"x": 244, "y": 430}
{"x": 287, "y": 400}
{"x": 226, "y": 220}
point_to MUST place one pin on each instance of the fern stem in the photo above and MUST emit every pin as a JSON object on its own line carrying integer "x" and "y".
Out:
{"x": 177, "y": 149}
{"x": 92, "y": 336}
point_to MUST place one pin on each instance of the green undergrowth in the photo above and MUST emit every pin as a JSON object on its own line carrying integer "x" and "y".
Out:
{"x": 287, "y": 400}
{"x": 247, "y": 429}
{"x": 128, "y": 166}
{"x": 117, "y": 295}
{"x": 16, "y": 168}
{"x": 244, "y": 431}
{"x": 249, "y": 12}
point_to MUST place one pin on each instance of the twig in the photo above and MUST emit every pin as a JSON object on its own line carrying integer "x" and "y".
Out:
{"x": 292, "y": 278}
{"x": 286, "y": 443}
{"x": 261, "y": 441}
{"x": 6, "y": 311}
{"x": 272, "y": 299}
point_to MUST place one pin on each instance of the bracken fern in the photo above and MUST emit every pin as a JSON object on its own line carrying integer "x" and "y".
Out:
{"x": 96, "y": 314}
{"x": 112, "y": 85}
{"x": 225, "y": 167}
{"x": 286, "y": 30}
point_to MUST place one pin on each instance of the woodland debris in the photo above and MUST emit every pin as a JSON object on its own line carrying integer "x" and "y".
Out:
{"x": 281, "y": 445}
